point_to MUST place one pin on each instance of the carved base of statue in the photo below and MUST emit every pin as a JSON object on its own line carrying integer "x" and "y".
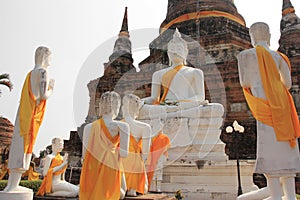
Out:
{"x": 192, "y": 138}
{"x": 17, "y": 195}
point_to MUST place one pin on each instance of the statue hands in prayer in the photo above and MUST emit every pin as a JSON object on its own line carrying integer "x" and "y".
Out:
{"x": 54, "y": 183}
{"x": 36, "y": 90}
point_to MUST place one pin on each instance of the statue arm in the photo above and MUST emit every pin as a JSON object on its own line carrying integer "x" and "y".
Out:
{"x": 124, "y": 139}
{"x": 146, "y": 138}
{"x": 47, "y": 165}
{"x": 199, "y": 86}
{"x": 46, "y": 86}
{"x": 57, "y": 168}
{"x": 285, "y": 74}
{"x": 155, "y": 88}
{"x": 85, "y": 140}
{"x": 243, "y": 60}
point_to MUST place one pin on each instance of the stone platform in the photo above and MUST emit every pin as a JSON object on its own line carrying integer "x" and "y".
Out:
{"x": 142, "y": 197}
{"x": 54, "y": 198}
{"x": 207, "y": 180}
{"x": 151, "y": 197}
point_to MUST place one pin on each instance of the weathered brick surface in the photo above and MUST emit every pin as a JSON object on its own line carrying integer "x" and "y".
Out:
{"x": 213, "y": 44}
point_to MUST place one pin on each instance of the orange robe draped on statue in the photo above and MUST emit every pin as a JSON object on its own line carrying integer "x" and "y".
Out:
{"x": 166, "y": 83}
{"x": 159, "y": 145}
{"x": 101, "y": 171}
{"x": 46, "y": 185}
{"x": 31, "y": 115}
{"x": 134, "y": 167}
{"x": 31, "y": 174}
{"x": 278, "y": 110}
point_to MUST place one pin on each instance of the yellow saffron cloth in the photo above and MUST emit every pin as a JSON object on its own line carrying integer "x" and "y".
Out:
{"x": 4, "y": 170}
{"x": 46, "y": 185}
{"x": 31, "y": 174}
{"x": 278, "y": 110}
{"x": 134, "y": 167}
{"x": 159, "y": 146}
{"x": 101, "y": 171}
{"x": 167, "y": 79}
{"x": 31, "y": 115}
{"x": 202, "y": 14}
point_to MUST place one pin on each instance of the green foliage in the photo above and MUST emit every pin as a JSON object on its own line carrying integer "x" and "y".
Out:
{"x": 34, "y": 185}
{"x": 4, "y": 80}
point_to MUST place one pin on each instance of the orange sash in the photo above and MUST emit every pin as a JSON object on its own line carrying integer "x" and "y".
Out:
{"x": 134, "y": 167}
{"x": 167, "y": 79}
{"x": 31, "y": 116}
{"x": 278, "y": 110}
{"x": 160, "y": 144}
{"x": 200, "y": 15}
{"x": 31, "y": 174}
{"x": 46, "y": 185}
{"x": 101, "y": 174}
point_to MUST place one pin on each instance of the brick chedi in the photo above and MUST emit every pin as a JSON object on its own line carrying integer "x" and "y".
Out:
{"x": 215, "y": 33}
{"x": 289, "y": 44}
{"x": 120, "y": 62}
{"x": 6, "y": 132}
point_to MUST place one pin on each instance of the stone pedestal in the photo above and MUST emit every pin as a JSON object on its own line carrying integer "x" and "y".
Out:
{"x": 207, "y": 180}
{"x": 195, "y": 139}
{"x": 151, "y": 197}
{"x": 17, "y": 195}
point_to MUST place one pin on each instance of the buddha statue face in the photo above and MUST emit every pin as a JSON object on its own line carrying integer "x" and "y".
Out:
{"x": 131, "y": 105}
{"x": 177, "y": 49}
{"x": 57, "y": 145}
{"x": 42, "y": 56}
{"x": 259, "y": 31}
{"x": 110, "y": 103}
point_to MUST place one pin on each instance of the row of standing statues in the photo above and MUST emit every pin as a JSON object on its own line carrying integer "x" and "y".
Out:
{"x": 119, "y": 156}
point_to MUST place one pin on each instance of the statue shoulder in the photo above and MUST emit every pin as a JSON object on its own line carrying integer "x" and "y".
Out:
{"x": 49, "y": 157}
{"x": 246, "y": 53}
{"x": 122, "y": 125}
{"x": 143, "y": 125}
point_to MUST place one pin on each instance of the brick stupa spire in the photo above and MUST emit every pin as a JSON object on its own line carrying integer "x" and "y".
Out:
{"x": 122, "y": 46}
{"x": 289, "y": 44}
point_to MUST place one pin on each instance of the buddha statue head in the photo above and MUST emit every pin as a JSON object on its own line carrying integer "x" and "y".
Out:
{"x": 57, "y": 145}
{"x": 131, "y": 105}
{"x": 259, "y": 31}
{"x": 110, "y": 103}
{"x": 42, "y": 56}
{"x": 177, "y": 47}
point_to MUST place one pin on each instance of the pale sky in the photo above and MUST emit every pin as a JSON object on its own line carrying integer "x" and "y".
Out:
{"x": 81, "y": 35}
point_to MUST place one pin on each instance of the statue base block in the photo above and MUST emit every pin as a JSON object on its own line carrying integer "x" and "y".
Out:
{"x": 207, "y": 180}
{"x": 54, "y": 198}
{"x": 16, "y": 195}
{"x": 151, "y": 197}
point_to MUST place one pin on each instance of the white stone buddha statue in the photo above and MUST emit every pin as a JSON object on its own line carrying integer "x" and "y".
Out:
{"x": 183, "y": 98}
{"x": 36, "y": 90}
{"x": 54, "y": 171}
{"x": 104, "y": 141}
{"x": 185, "y": 88}
{"x": 139, "y": 147}
{"x": 277, "y": 158}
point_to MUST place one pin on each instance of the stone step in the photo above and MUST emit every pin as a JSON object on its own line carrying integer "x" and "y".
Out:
{"x": 151, "y": 197}
{"x": 140, "y": 197}
{"x": 54, "y": 198}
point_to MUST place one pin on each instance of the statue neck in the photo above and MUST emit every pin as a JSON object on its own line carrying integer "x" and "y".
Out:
{"x": 107, "y": 118}
{"x": 263, "y": 44}
{"x": 40, "y": 66}
{"x": 177, "y": 64}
